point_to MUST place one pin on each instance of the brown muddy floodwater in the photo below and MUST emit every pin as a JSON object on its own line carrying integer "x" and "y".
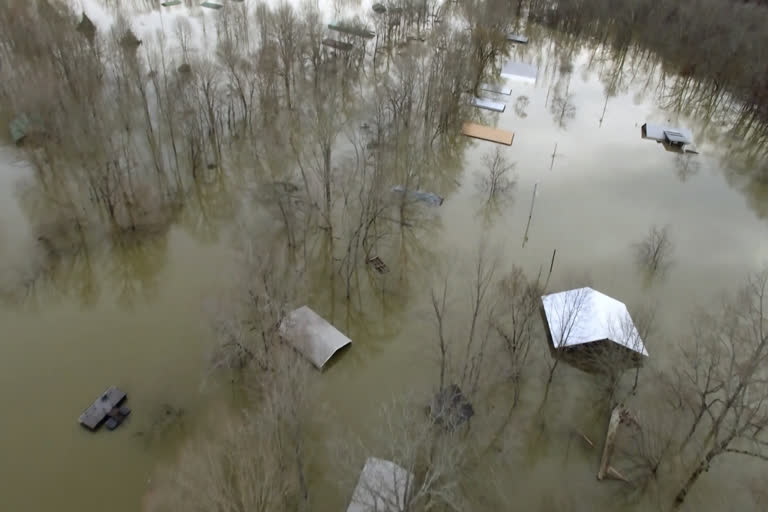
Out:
{"x": 145, "y": 328}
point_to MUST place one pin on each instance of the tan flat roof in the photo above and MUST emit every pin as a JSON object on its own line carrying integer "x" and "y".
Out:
{"x": 479, "y": 131}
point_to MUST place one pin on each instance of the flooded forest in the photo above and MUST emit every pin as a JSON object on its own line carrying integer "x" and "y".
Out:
{"x": 396, "y": 256}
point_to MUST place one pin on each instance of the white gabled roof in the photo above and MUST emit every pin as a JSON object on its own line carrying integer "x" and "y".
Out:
{"x": 661, "y": 133}
{"x": 382, "y": 487}
{"x": 312, "y": 335}
{"x": 584, "y": 315}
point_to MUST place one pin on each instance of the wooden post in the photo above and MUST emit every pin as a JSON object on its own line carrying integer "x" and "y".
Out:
{"x": 610, "y": 439}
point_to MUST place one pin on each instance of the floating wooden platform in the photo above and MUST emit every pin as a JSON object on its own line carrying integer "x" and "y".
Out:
{"x": 487, "y": 104}
{"x": 337, "y": 45}
{"x": 102, "y": 407}
{"x": 479, "y": 131}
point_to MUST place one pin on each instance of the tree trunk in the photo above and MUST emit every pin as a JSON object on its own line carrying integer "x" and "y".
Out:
{"x": 610, "y": 439}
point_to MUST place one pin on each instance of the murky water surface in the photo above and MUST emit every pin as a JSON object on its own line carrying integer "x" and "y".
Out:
{"x": 135, "y": 316}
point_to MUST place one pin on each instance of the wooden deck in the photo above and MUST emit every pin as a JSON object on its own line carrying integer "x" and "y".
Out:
{"x": 479, "y": 131}
{"x": 94, "y": 415}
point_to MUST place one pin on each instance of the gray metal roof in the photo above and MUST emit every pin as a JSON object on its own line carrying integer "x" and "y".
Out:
{"x": 382, "y": 487}
{"x": 663, "y": 133}
{"x": 312, "y": 336}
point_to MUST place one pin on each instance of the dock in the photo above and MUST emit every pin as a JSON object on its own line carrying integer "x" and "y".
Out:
{"x": 495, "y": 106}
{"x": 102, "y": 407}
{"x": 479, "y": 131}
{"x": 519, "y": 71}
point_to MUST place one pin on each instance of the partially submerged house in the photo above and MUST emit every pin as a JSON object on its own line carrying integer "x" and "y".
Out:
{"x": 519, "y": 71}
{"x": 312, "y": 336}
{"x": 588, "y": 329}
{"x": 666, "y": 134}
{"x": 383, "y": 486}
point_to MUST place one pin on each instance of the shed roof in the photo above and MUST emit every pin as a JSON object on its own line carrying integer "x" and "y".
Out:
{"x": 519, "y": 71}
{"x": 663, "y": 133}
{"x": 383, "y": 486}
{"x": 312, "y": 335}
{"x": 487, "y": 104}
{"x": 584, "y": 315}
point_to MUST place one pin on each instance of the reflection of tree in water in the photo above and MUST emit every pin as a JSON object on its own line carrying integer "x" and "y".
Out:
{"x": 686, "y": 166}
{"x": 134, "y": 265}
{"x": 521, "y": 103}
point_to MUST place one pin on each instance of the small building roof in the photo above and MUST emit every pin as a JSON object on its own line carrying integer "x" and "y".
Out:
{"x": 353, "y": 30}
{"x": 519, "y": 71}
{"x": 498, "y": 89}
{"x": 383, "y": 486}
{"x": 661, "y": 133}
{"x": 487, "y": 104}
{"x": 517, "y": 38}
{"x": 583, "y": 315}
{"x": 312, "y": 336}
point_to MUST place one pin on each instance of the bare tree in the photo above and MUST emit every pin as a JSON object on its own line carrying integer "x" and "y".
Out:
{"x": 517, "y": 322}
{"x": 653, "y": 252}
{"x": 565, "y": 321}
{"x": 499, "y": 178}
{"x": 729, "y": 384}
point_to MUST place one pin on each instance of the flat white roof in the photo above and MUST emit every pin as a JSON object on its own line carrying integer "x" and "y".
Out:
{"x": 584, "y": 315}
{"x": 519, "y": 71}
{"x": 312, "y": 335}
{"x": 487, "y": 104}
{"x": 382, "y": 487}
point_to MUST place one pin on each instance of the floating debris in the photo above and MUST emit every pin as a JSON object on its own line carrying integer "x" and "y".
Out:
{"x": 312, "y": 336}
{"x": 379, "y": 8}
{"x": 378, "y": 264}
{"x": 417, "y": 195}
{"x": 171, "y": 3}
{"x": 106, "y": 407}
{"x": 19, "y": 128}
{"x": 479, "y": 131}
{"x": 487, "y": 104}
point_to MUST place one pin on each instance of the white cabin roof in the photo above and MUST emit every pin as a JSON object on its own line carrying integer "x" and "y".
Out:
{"x": 584, "y": 315}
{"x": 663, "y": 133}
{"x": 519, "y": 71}
{"x": 382, "y": 487}
{"x": 312, "y": 335}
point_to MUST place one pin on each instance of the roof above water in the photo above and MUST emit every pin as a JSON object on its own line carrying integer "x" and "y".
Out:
{"x": 382, "y": 487}
{"x": 663, "y": 133}
{"x": 519, "y": 71}
{"x": 312, "y": 335}
{"x": 584, "y": 315}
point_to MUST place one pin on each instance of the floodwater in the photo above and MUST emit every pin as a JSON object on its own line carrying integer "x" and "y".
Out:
{"x": 144, "y": 326}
